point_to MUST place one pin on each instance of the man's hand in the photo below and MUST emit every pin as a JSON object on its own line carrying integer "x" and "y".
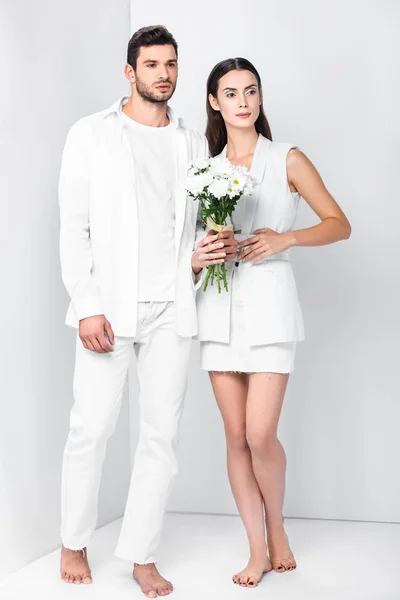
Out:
{"x": 214, "y": 249}
{"x": 91, "y": 332}
{"x": 231, "y": 244}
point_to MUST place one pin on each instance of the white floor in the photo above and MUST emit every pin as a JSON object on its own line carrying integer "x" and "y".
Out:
{"x": 337, "y": 560}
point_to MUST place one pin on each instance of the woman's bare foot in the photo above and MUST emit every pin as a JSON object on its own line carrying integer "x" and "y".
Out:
{"x": 280, "y": 553}
{"x": 252, "y": 574}
{"x": 74, "y": 566}
{"x": 150, "y": 581}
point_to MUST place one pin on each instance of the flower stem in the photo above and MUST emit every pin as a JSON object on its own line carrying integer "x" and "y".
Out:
{"x": 224, "y": 276}
{"x": 209, "y": 271}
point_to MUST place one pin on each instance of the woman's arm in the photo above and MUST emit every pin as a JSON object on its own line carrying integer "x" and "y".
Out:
{"x": 304, "y": 178}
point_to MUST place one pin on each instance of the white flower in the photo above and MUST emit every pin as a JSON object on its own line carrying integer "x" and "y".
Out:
{"x": 219, "y": 188}
{"x": 237, "y": 183}
{"x": 192, "y": 171}
{"x": 201, "y": 163}
{"x": 221, "y": 167}
{"x": 197, "y": 183}
{"x": 250, "y": 186}
{"x": 240, "y": 170}
{"x": 232, "y": 193}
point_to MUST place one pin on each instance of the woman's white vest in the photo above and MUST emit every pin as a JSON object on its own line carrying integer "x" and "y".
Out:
{"x": 272, "y": 309}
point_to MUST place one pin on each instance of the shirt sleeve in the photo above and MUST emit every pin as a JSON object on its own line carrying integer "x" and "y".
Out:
{"x": 75, "y": 245}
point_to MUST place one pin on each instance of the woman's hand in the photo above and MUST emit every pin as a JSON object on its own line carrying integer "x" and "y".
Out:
{"x": 265, "y": 242}
{"x": 208, "y": 252}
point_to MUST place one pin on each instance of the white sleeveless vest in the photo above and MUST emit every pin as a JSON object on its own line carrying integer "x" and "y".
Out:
{"x": 272, "y": 309}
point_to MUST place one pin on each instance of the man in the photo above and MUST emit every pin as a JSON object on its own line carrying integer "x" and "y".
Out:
{"x": 126, "y": 246}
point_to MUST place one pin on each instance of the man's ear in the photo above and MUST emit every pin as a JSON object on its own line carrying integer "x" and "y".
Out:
{"x": 130, "y": 73}
{"x": 213, "y": 102}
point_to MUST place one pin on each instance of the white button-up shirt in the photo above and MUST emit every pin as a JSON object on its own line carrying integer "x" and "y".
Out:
{"x": 99, "y": 223}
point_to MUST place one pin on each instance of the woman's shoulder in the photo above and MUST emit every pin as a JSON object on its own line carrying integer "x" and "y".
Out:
{"x": 278, "y": 148}
{"x": 278, "y": 154}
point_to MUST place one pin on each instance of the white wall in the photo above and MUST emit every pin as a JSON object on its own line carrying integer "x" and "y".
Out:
{"x": 329, "y": 73}
{"x": 59, "y": 62}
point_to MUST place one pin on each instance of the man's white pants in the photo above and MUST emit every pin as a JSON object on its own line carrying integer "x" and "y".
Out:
{"x": 162, "y": 365}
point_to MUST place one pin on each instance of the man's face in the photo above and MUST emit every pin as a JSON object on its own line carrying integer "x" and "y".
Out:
{"x": 156, "y": 73}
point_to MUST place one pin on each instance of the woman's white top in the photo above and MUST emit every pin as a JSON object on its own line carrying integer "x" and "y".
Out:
{"x": 239, "y": 213}
{"x": 272, "y": 309}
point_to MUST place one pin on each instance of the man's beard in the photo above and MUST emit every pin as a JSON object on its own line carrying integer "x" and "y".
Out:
{"x": 155, "y": 97}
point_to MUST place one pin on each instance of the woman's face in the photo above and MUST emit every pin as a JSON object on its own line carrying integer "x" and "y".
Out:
{"x": 238, "y": 99}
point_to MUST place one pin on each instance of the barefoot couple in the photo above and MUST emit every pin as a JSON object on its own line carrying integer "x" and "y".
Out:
{"x": 132, "y": 262}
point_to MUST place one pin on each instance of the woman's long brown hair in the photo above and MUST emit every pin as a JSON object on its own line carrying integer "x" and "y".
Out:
{"x": 216, "y": 129}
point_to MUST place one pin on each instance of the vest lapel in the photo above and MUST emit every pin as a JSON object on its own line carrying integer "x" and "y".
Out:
{"x": 257, "y": 171}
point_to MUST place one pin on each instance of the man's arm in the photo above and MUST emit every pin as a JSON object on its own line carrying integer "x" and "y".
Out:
{"x": 75, "y": 246}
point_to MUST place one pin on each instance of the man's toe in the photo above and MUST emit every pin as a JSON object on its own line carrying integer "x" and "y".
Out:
{"x": 78, "y": 579}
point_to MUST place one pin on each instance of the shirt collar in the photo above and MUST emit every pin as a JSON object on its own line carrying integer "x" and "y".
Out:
{"x": 116, "y": 108}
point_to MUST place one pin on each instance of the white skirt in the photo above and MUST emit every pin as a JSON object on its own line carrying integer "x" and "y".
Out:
{"x": 238, "y": 355}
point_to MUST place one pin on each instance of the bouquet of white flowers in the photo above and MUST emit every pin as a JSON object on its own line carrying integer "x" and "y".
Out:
{"x": 218, "y": 185}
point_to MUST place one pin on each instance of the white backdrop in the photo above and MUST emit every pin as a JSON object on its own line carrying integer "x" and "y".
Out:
{"x": 329, "y": 74}
{"x": 58, "y": 62}
{"x": 329, "y": 84}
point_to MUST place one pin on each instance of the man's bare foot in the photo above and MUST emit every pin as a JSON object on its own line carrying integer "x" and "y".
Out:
{"x": 252, "y": 574}
{"x": 74, "y": 566}
{"x": 150, "y": 581}
{"x": 280, "y": 553}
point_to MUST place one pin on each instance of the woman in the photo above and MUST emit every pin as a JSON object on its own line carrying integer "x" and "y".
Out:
{"x": 248, "y": 336}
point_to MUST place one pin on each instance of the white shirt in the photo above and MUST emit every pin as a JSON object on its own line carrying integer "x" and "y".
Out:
{"x": 99, "y": 230}
{"x": 154, "y": 153}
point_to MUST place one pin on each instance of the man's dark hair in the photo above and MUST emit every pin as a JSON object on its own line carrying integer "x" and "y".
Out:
{"x": 155, "y": 35}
